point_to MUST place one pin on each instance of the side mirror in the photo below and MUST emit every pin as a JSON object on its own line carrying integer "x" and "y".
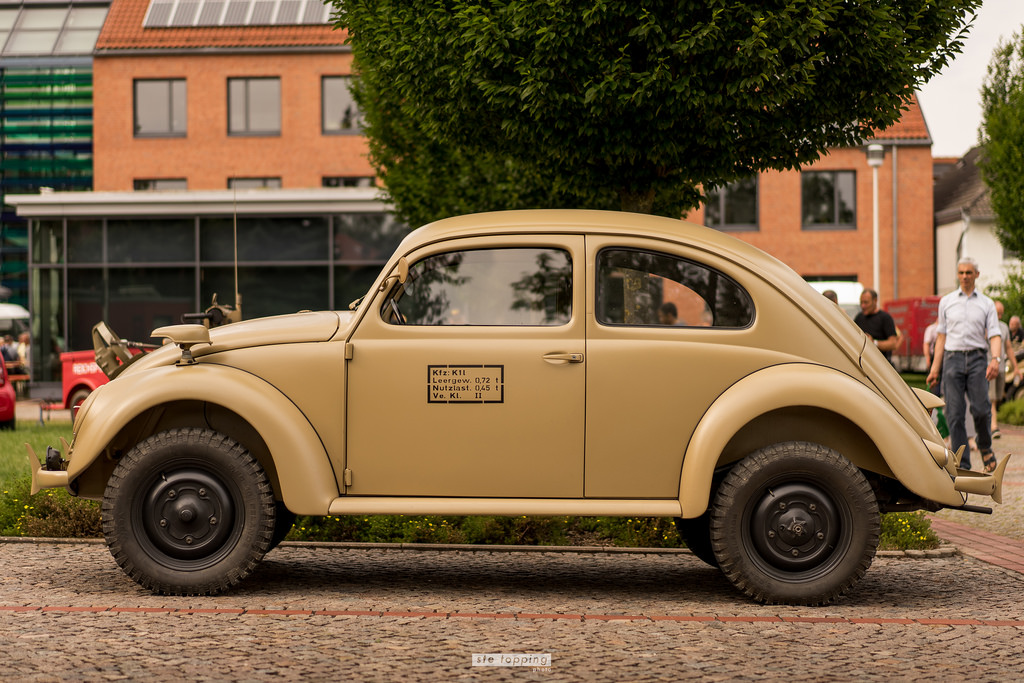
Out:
{"x": 402, "y": 275}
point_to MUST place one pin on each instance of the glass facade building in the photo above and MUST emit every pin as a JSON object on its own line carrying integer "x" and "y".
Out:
{"x": 45, "y": 113}
{"x": 141, "y": 260}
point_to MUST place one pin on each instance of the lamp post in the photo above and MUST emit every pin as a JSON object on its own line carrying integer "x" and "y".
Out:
{"x": 876, "y": 155}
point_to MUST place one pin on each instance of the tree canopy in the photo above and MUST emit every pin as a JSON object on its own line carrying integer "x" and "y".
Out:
{"x": 621, "y": 104}
{"x": 1002, "y": 139}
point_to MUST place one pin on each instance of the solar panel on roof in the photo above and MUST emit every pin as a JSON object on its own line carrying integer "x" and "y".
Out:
{"x": 314, "y": 13}
{"x": 185, "y": 13}
{"x": 288, "y": 12}
{"x": 236, "y": 14}
{"x": 159, "y": 14}
{"x": 166, "y": 13}
{"x": 210, "y": 14}
{"x": 262, "y": 12}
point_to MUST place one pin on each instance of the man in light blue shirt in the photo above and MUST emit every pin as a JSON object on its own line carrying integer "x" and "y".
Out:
{"x": 967, "y": 353}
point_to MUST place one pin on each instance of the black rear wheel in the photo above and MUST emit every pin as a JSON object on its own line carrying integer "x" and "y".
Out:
{"x": 794, "y": 523}
{"x": 188, "y": 512}
{"x": 696, "y": 533}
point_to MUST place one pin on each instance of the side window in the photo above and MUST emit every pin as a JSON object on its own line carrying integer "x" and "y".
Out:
{"x": 528, "y": 286}
{"x": 647, "y": 288}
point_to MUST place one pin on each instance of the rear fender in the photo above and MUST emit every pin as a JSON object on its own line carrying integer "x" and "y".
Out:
{"x": 903, "y": 452}
{"x": 307, "y": 480}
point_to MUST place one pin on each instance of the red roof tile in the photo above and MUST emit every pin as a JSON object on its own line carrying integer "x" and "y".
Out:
{"x": 123, "y": 30}
{"x": 911, "y": 125}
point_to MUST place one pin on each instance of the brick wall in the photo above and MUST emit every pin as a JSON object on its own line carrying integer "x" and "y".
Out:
{"x": 845, "y": 253}
{"x": 301, "y": 155}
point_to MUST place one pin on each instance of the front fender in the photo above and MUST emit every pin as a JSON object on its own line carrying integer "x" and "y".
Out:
{"x": 307, "y": 480}
{"x": 804, "y": 385}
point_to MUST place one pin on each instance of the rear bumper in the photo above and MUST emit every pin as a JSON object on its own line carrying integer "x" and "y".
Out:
{"x": 982, "y": 484}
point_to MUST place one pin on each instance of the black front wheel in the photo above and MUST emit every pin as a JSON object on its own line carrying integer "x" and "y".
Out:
{"x": 188, "y": 512}
{"x": 794, "y": 523}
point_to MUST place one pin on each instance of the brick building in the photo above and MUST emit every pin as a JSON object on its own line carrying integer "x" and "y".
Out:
{"x": 191, "y": 96}
{"x": 819, "y": 220}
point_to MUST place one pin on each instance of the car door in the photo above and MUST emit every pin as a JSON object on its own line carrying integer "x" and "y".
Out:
{"x": 468, "y": 379}
{"x": 671, "y": 331}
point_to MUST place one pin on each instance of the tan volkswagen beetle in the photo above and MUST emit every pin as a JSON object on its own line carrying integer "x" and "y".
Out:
{"x": 524, "y": 363}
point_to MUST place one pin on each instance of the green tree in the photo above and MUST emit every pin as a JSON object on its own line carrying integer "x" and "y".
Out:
{"x": 625, "y": 104}
{"x": 1002, "y": 139}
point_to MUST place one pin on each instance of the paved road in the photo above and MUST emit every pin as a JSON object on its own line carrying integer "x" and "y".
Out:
{"x": 67, "y": 612}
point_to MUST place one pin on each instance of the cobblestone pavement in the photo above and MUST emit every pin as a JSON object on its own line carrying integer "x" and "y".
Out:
{"x": 68, "y": 613}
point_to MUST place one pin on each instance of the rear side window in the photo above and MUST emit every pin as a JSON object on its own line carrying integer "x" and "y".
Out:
{"x": 649, "y": 288}
{"x": 514, "y": 286}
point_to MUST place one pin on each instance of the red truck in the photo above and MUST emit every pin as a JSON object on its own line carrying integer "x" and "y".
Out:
{"x": 912, "y": 316}
{"x": 80, "y": 376}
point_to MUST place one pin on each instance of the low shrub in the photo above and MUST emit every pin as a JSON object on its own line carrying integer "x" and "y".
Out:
{"x": 907, "y": 531}
{"x": 49, "y": 514}
{"x": 1011, "y": 412}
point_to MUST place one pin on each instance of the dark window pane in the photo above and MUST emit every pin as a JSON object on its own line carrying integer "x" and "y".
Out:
{"x": 352, "y": 282}
{"x": 488, "y": 287}
{"x": 733, "y": 206}
{"x": 264, "y": 105}
{"x": 143, "y": 299}
{"x": 846, "y": 198}
{"x": 254, "y": 106}
{"x": 253, "y": 183}
{"x": 85, "y": 241}
{"x": 340, "y": 113}
{"x": 741, "y": 202}
{"x": 159, "y": 184}
{"x": 348, "y": 181}
{"x": 818, "y": 198}
{"x": 150, "y": 241}
{"x": 646, "y": 288}
{"x": 236, "y": 105}
{"x": 828, "y": 199}
{"x": 160, "y": 107}
{"x": 48, "y": 242}
{"x": 86, "y": 293}
{"x": 366, "y": 237}
{"x": 292, "y": 238}
{"x": 268, "y": 290}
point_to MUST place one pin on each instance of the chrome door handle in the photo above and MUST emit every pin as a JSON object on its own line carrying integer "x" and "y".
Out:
{"x": 562, "y": 358}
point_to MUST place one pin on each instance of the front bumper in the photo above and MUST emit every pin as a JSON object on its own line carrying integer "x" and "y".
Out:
{"x": 54, "y": 476}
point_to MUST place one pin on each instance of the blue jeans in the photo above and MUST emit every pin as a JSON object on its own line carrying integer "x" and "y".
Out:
{"x": 964, "y": 373}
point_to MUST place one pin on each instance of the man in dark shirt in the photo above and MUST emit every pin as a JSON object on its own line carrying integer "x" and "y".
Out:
{"x": 877, "y": 324}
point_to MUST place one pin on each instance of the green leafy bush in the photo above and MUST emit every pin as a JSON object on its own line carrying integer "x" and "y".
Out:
{"x": 907, "y": 531}
{"x": 50, "y": 514}
{"x": 1012, "y": 412}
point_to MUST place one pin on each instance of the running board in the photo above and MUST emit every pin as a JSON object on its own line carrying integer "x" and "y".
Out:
{"x": 387, "y": 505}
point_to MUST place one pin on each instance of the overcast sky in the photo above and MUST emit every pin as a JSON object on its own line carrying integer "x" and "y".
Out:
{"x": 952, "y": 101}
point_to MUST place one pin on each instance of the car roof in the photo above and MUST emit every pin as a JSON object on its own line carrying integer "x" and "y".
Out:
{"x": 592, "y": 222}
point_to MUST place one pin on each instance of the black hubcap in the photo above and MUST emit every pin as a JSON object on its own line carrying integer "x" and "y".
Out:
{"x": 188, "y": 514}
{"x": 795, "y": 527}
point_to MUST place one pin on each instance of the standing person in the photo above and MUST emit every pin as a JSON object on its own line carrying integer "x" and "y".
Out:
{"x": 967, "y": 353}
{"x": 1016, "y": 332}
{"x": 877, "y": 324}
{"x": 997, "y": 386}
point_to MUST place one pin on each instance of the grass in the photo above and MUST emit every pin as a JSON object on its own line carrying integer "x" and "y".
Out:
{"x": 915, "y": 379}
{"x": 56, "y": 514}
{"x": 13, "y": 461}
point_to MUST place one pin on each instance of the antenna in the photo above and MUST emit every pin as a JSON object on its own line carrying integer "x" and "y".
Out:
{"x": 234, "y": 228}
